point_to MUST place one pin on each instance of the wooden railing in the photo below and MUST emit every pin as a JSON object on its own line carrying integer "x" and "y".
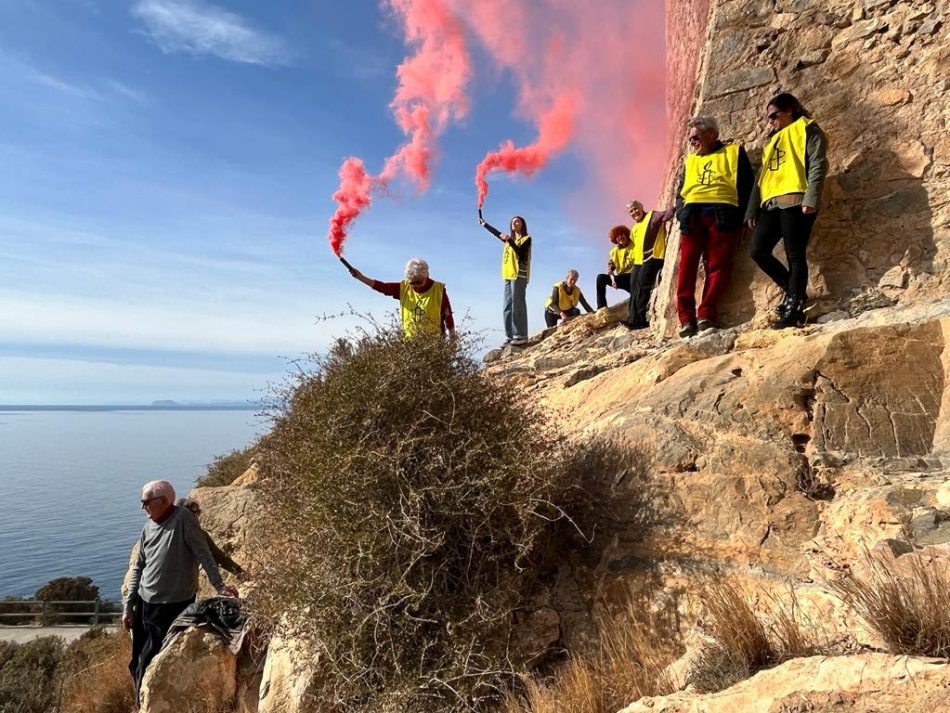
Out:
{"x": 49, "y": 613}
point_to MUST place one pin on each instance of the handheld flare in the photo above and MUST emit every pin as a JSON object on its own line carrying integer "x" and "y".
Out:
{"x": 346, "y": 264}
{"x": 480, "y": 214}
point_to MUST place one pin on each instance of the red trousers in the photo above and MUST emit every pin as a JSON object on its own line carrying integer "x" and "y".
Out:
{"x": 703, "y": 241}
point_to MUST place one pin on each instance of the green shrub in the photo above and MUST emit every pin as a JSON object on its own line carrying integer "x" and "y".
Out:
{"x": 412, "y": 508}
{"x": 28, "y": 675}
{"x": 227, "y": 467}
{"x": 67, "y": 589}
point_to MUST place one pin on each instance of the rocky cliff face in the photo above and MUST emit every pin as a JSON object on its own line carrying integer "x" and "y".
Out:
{"x": 874, "y": 73}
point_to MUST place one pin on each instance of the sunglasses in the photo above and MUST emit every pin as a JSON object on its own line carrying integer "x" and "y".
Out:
{"x": 146, "y": 503}
{"x": 773, "y": 116}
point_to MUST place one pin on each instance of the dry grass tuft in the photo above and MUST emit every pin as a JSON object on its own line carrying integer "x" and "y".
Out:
{"x": 909, "y": 611}
{"x": 95, "y": 674}
{"x": 627, "y": 664}
{"x": 742, "y": 643}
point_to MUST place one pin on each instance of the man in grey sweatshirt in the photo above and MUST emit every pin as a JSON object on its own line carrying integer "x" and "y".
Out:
{"x": 162, "y": 578}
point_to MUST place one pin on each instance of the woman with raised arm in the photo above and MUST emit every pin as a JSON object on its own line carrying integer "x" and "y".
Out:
{"x": 515, "y": 271}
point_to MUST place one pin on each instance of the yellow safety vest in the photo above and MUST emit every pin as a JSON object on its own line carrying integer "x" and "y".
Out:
{"x": 711, "y": 178}
{"x": 783, "y": 162}
{"x": 421, "y": 311}
{"x": 639, "y": 233}
{"x": 622, "y": 258}
{"x": 565, "y": 300}
{"x": 510, "y": 267}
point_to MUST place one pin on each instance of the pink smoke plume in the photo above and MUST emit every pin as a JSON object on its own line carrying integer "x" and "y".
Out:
{"x": 554, "y": 132}
{"x": 431, "y": 93}
{"x": 603, "y": 61}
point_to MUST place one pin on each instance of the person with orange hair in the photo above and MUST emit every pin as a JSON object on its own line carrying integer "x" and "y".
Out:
{"x": 619, "y": 265}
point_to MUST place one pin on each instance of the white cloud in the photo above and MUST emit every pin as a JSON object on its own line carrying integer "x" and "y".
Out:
{"x": 195, "y": 28}
{"x": 60, "y": 85}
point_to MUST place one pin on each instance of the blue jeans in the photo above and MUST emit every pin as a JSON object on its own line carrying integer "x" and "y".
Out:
{"x": 516, "y": 309}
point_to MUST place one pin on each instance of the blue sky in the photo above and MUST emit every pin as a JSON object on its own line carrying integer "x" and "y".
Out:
{"x": 167, "y": 172}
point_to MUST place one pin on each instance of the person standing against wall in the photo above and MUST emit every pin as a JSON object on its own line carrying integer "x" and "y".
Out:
{"x": 785, "y": 201}
{"x": 715, "y": 185}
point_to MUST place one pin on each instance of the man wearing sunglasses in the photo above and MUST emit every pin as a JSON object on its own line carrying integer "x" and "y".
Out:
{"x": 714, "y": 190}
{"x": 164, "y": 574}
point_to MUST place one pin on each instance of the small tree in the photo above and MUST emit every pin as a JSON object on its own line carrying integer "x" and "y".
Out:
{"x": 68, "y": 589}
{"x": 412, "y": 507}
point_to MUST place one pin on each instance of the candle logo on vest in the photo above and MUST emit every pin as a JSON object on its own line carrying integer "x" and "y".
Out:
{"x": 777, "y": 159}
{"x": 706, "y": 177}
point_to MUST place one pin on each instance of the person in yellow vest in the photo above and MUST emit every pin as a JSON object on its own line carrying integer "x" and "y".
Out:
{"x": 619, "y": 265}
{"x": 423, "y": 303}
{"x": 785, "y": 201}
{"x": 515, "y": 271}
{"x": 563, "y": 300}
{"x": 648, "y": 243}
{"x": 714, "y": 189}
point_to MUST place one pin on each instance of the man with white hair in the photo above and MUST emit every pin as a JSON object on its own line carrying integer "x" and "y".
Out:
{"x": 163, "y": 577}
{"x": 423, "y": 303}
{"x": 714, "y": 189}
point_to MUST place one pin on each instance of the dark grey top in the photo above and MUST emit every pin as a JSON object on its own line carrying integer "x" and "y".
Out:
{"x": 166, "y": 568}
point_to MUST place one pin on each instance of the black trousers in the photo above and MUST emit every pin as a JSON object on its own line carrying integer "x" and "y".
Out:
{"x": 603, "y": 279}
{"x": 794, "y": 228}
{"x": 551, "y": 318}
{"x": 150, "y": 623}
{"x": 643, "y": 279}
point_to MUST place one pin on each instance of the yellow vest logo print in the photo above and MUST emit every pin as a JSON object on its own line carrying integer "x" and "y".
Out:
{"x": 706, "y": 177}
{"x": 777, "y": 159}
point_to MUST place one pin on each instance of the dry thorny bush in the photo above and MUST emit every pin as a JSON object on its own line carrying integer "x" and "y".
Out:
{"x": 741, "y": 643}
{"x": 627, "y": 664}
{"x": 413, "y": 508}
{"x": 910, "y": 611}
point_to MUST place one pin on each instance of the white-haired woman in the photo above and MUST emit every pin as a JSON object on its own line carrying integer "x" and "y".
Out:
{"x": 563, "y": 300}
{"x": 715, "y": 185}
{"x": 423, "y": 303}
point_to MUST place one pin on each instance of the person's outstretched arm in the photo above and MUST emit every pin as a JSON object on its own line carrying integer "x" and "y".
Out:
{"x": 368, "y": 281}
{"x": 492, "y": 229}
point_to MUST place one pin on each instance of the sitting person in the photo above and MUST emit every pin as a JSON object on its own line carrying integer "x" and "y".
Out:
{"x": 649, "y": 250}
{"x": 563, "y": 300}
{"x": 619, "y": 265}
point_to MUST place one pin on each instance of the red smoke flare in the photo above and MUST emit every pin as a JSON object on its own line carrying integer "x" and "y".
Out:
{"x": 554, "y": 132}
{"x": 430, "y": 94}
{"x": 609, "y": 58}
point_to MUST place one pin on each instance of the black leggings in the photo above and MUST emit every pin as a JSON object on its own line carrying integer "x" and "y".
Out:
{"x": 794, "y": 228}
{"x": 643, "y": 280}
{"x": 603, "y": 279}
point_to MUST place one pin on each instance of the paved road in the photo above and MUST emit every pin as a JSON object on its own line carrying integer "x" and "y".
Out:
{"x": 23, "y": 634}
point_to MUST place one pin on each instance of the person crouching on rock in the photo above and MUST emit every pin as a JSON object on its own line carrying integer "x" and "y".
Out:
{"x": 648, "y": 240}
{"x": 515, "y": 271}
{"x": 563, "y": 300}
{"x": 785, "y": 200}
{"x": 423, "y": 303}
{"x": 164, "y": 575}
{"x": 619, "y": 264}
{"x": 715, "y": 184}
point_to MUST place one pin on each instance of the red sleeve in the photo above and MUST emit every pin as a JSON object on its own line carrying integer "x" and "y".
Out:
{"x": 448, "y": 321}
{"x": 390, "y": 289}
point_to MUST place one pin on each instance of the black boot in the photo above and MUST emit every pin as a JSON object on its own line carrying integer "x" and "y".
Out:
{"x": 781, "y": 309}
{"x": 794, "y": 315}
